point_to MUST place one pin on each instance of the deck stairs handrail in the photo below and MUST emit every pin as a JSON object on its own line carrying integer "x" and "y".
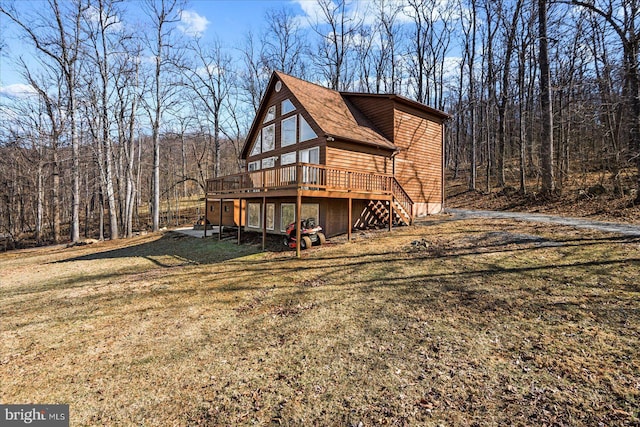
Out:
{"x": 402, "y": 201}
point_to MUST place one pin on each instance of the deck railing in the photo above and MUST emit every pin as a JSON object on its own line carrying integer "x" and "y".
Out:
{"x": 304, "y": 176}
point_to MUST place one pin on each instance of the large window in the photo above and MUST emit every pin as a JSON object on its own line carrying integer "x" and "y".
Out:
{"x": 311, "y": 155}
{"x": 268, "y": 138}
{"x": 288, "y": 158}
{"x": 309, "y": 173}
{"x": 288, "y": 135}
{"x": 269, "y": 162}
{"x": 311, "y": 210}
{"x": 257, "y": 145}
{"x": 253, "y": 212}
{"x": 306, "y": 133}
{"x": 287, "y": 107}
{"x": 271, "y": 216}
{"x": 253, "y": 166}
{"x": 271, "y": 114}
{"x": 288, "y": 213}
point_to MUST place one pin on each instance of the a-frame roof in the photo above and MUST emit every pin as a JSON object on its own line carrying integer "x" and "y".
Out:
{"x": 332, "y": 112}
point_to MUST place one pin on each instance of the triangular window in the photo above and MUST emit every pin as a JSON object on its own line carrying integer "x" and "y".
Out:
{"x": 287, "y": 107}
{"x": 306, "y": 133}
{"x": 257, "y": 145}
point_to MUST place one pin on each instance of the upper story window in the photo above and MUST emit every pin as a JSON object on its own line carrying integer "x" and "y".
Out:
{"x": 306, "y": 133}
{"x": 310, "y": 155}
{"x": 271, "y": 114}
{"x": 269, "y": 162}
{"x": 288, "y": 131}
{"x": 288, "y": 158}
{"x": 257, "y": 145}
{"x": 287, "y": 107}
{"x": 268, "y": 138}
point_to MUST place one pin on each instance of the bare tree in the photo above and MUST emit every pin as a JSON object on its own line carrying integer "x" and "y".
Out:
{"x": 284, "y": 45}
{"x": 387, "y": 73}
{"x": 337, "y": 30}
{"x": 56, "y": 34}
{"x": 162, "y": 14}
{"x": 102, "y": 43}
{"x": 546, "y": 143}
{"x": 469, "y": 28}
{"x": 510, "y": 29}
{"x": 623, "y": 16}
{"x": 209, "y": 80}
{"x": 255, "y": 75}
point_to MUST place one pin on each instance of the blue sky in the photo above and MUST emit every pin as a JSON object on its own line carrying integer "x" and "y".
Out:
{"x": 228, "y": 20}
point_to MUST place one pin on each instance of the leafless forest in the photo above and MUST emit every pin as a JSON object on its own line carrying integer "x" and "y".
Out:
{"x": 128, "y": 113}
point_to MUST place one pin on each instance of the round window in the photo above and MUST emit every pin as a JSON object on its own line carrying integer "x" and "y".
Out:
{"x": 278, "y": 86}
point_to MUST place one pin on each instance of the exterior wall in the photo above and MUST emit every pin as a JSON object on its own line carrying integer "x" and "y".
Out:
{"x": 418, "y": 165}
{"x": 379, "y": 111}
{"x": 323, "y": 207}
{"x": 424, "y": 209}
{"x": 333, "y": 213}
{"x": 346, "y": 156}
{"x": 336, "y": 216}
{"x": 276, "y": 99}
{"x": 231, "y": 214}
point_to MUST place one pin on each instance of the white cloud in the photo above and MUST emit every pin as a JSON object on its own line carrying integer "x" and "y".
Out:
{"x": 192, "y": 24}
{"x": 17, "y": 90}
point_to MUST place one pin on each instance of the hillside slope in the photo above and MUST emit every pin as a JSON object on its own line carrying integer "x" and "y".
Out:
{"x": 449, "y": 322}
{"x": 582, "y": 199}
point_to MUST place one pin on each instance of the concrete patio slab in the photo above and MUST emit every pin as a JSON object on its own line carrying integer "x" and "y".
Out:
{"x": 189, "y": 231}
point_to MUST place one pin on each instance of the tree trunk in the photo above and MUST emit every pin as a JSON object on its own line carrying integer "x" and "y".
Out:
{"x": 546, "y": 143}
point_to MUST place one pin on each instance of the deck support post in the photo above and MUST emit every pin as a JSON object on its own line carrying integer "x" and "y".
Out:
{"x": 240, "y": 218}
{"x": 411, "y": 213}
{"x": 390, "y": 213}
{"x": 298, "y": 208}
{"x": 298, "y": 223}
{"x": 349, "y": 218}
{"x": 264, "y": 223}
{"x": 206, "y": 211}
{"x": 220, "y": 221}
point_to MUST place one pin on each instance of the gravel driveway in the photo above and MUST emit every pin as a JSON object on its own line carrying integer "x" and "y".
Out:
{"x": 612, "y": 227}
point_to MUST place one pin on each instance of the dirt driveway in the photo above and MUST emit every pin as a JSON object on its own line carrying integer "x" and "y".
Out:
{"x": 612, "y": 227}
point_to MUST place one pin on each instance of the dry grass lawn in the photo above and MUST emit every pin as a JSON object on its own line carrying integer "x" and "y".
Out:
{"x": 474, "y": 322}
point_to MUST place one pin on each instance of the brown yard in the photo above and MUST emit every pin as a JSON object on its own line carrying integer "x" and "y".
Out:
{"x": 449, "y": 322}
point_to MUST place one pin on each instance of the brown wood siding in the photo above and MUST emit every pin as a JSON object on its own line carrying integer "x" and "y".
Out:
{"x": 345, "y": 157}
{"x": 333, "y": 213}
{"x": 336, "y": 216}
{"x": 418, "y": 165}
{"x": 231, "y": 215}
{"x": 379, "y": 111}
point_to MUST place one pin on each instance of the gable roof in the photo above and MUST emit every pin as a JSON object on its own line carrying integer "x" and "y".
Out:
{"x": 332, "y": 112}
{"x": 401, "y": 100}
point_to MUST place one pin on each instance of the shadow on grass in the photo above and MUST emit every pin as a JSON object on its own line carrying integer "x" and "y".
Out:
{"x": 174, "y": 250}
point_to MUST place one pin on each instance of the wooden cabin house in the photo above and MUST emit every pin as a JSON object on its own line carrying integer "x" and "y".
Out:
{"x": 349, "y": 160}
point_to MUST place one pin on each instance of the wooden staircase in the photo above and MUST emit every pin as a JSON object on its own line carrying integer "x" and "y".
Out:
{"x": 377, "y": 212}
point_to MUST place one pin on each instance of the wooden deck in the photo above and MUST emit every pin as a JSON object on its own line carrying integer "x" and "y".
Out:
{"x": 311, "y": 180}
